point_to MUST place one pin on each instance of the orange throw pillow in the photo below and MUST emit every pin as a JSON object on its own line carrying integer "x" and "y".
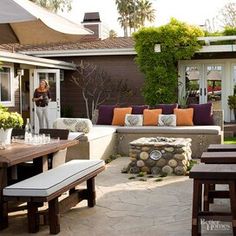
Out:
{"x": 119, "y": 115}
{"x": 150, "y": 117}
{"x": 184, "y": 116}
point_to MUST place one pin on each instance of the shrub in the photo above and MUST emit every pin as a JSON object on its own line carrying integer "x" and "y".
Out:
{"x": 178, "y": 42}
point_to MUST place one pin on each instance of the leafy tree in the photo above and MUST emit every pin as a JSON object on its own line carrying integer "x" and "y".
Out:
{"x": 112, "y": 34}
{"x": 134, "y": 14}
{"x": 54, "y": 5}
{"x": 227, "y": 15}
{"x": 178, "y": 42}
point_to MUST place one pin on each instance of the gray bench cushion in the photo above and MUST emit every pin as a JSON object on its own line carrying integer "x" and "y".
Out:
{"x": 48, "y": 182}
{"x": 206, "y": 129}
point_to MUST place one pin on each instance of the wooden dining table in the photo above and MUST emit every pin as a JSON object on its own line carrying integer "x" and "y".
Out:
{"x": 20, "y": 152}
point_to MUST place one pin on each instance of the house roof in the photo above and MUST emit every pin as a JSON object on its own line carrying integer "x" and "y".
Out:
{"x": 108, "y": 46}
{"x": 108, "y": 43}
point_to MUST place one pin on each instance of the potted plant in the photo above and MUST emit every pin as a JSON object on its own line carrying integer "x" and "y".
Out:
{"x": 232, "y": 104}
{"x": 8, "y": 121}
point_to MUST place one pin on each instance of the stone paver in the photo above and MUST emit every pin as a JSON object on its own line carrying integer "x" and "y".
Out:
{"x": 126, "y": 207}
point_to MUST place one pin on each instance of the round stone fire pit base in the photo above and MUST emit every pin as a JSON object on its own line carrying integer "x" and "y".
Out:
{"x": 160, "y": 155}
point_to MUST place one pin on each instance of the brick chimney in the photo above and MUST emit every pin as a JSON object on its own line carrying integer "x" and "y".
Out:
{"x": 92, "y": 22}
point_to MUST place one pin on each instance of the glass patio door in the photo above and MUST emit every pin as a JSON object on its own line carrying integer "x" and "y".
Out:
{"x": 53, "y": 77}
{"x": 213, "y": 85}
{"x": 193, "y": 84}
{"x": 203, "y": 84}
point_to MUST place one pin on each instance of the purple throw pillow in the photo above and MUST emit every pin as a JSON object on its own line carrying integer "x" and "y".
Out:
{"x": 167, "y": 108}
{"x": 105, "y": 114}
{"x": 202, "y": 114}
{"x": 138, "y": 109}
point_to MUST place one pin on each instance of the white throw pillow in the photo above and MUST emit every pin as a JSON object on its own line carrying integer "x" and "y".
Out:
{"x": 167, "y": 120}
{"x": 133, "y": 120}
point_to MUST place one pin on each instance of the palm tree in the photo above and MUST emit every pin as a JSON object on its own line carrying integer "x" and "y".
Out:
{"x": 145, "y": 12}
{"x": 134, "y": 13}
{"x": 123, "y": 7}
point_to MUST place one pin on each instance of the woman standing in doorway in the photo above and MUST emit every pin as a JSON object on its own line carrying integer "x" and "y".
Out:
{"x": 42, "y": 97}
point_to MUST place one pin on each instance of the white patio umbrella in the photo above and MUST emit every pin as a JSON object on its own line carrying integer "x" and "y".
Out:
{"x": 22, "y": 21}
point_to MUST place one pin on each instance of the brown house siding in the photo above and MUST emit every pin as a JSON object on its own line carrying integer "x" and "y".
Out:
{"x": 118, "y": 67}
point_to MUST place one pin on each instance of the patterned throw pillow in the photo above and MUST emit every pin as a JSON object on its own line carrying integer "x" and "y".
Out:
{"x": 133, "y": 120}
{"x": 167, "y": 120}
{"x": 73, "y": 124}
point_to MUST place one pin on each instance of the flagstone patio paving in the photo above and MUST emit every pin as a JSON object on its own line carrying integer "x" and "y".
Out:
{"x": 127, "y": 207}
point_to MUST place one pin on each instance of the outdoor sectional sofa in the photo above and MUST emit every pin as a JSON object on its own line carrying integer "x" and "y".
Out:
{"x": 101, "y": 141}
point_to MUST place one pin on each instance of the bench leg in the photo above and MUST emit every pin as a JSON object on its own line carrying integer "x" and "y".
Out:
{"x": 91, "y": 192}
{"x": 3, "y": 214}
{"x": 54, "y": 217}
{"x": 196, "y": 207}
{"x": 33, "y": 217}
{"x": 232, "y": 194}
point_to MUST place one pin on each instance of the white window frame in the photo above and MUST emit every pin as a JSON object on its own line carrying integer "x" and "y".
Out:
{"x": 10, "y": 103}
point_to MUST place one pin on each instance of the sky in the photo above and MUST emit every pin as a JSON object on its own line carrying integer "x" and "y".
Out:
{"x": 191, "y": 11}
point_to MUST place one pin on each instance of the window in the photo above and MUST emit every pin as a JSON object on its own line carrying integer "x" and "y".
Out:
{"x": 6, "y": 91}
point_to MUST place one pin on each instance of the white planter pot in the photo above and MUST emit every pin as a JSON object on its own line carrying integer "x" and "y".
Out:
{"x": 5, "y": 136}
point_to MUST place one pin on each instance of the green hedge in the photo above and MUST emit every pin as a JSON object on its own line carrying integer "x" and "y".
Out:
{"x": 178, "y": 41}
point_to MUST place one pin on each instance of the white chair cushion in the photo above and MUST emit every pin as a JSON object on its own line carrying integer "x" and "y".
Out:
{"x": 49, "y": 182}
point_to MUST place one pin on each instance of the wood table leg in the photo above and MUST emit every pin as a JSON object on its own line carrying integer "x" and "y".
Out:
{"x": 196, "y": 207}
{"x": 54, "y": 216}
{"x": 232, "y": 194}
{"x": 91, "y": 192}
{"x": 45, "y": 163}
{"x": 3, "y": 204}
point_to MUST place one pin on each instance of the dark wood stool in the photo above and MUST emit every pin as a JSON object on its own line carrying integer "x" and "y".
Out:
{"x": 227, "y": 157}
{"x": 205, "y": 174}
{"x": 222, "y": 148}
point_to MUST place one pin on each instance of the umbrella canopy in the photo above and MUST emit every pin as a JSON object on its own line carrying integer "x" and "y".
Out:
{"x": 22, "y": 21}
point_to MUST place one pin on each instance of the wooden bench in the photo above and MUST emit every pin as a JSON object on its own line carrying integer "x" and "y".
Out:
{"x": 206, "y": 174}
{"x": 49, "y": 185}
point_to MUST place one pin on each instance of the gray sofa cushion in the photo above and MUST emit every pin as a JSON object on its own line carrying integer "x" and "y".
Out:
{"x": 49, "y": 182}
{"x": 211, "y": 129}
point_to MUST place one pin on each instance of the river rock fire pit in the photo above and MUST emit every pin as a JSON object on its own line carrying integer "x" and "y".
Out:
{"x": 160, "y": 155}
